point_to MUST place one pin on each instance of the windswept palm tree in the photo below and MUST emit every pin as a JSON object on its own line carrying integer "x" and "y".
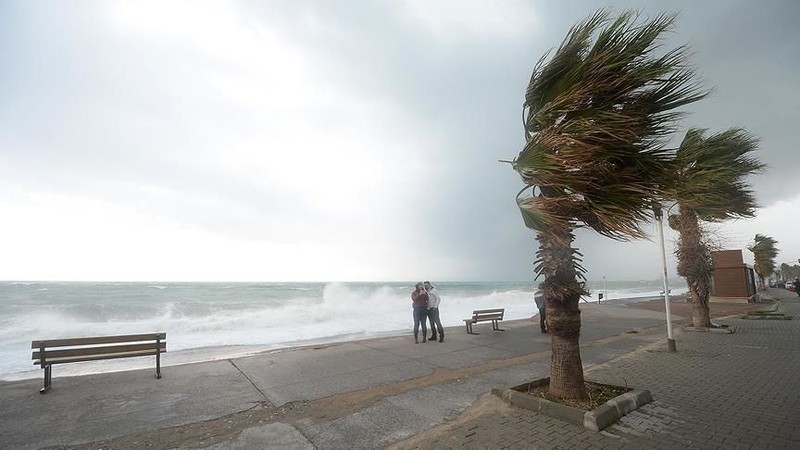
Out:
{"x": 764, "y": 250}
{"x": 709, "y": 185}
{"x": 594, "y": 116}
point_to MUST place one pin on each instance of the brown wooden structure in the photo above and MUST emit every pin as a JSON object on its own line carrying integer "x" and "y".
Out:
{"x": 485, "y": 315}
{"x": 733, "y": 279}
{"x": 61, "y": 351}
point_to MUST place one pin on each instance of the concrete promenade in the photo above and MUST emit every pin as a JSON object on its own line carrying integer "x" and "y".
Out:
{"x": 723, "y": 391}
{"x": 717, "y": 391}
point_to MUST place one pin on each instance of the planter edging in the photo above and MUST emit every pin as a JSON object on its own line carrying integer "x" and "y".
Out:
{"x": 709, "y": 330}
{"x": 596, "y": 419}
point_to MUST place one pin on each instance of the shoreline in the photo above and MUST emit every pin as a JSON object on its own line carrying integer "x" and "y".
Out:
{"x": 224, "y": 352}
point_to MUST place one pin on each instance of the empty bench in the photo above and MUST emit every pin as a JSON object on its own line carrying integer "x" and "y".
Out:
{"x": 61, "y": 351}
{"x": 485, "y": 315}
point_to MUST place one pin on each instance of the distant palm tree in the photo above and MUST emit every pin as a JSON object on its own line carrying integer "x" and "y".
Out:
{"x": 709, "y": 185}
{"x": 594, "y": 118}
{"x": 764, "y": 250}
{"x": 789, "y": 272}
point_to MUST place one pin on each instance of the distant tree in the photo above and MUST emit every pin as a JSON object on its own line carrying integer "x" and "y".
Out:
{"x": 764, "y": 250}
{"x": 595, "y": 115}
{"x": 789, "y": 272}
{"x": 708, "y": 184}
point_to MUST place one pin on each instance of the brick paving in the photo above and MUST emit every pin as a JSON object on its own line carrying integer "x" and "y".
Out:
{"x": 726, "y": 391}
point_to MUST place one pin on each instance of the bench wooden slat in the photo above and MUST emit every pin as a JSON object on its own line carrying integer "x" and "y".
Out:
{"x": 98, "y": 340}
{"x": 97, "y": 357}
{"x": 52, "y": 355}
{"x": 484, "y": 317}
{"x": 482, "y": 311}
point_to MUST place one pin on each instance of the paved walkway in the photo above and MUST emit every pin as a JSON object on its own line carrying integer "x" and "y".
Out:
{"x": 738, "y": 390}
{"x": 718, "y": 390}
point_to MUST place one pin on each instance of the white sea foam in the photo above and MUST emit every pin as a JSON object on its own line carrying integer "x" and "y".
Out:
{"x": 205, "y": 321}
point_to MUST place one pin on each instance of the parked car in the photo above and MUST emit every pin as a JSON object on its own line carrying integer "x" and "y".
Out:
{"x": 790, "y": 286}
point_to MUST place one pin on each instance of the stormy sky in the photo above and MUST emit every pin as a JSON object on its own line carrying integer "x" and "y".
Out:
{"x": 331, "y": 140}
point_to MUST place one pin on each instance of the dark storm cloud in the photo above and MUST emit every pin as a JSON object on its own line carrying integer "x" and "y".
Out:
{"x": 471, "y": 92}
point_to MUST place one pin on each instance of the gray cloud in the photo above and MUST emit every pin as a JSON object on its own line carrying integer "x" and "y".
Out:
{"x": 99, "y": 112}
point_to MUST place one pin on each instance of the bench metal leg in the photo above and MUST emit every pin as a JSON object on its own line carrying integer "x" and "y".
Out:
{"x": 469, "y": 327}
{"x": 47, "y": 379}
{"x": 496, "y": 326}
{"x": 158, "y": 358}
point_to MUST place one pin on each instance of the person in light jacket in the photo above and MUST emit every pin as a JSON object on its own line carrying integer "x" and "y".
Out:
{"x": 433, "y": 311}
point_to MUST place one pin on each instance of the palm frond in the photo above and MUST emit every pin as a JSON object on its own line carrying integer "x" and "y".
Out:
{"x": 712, "y": 171}
{"x": 764, "y": 250}
{"x": 595, "y": 116}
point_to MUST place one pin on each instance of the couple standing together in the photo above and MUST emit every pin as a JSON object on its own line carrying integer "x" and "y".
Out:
{"x": 425, "y": 301}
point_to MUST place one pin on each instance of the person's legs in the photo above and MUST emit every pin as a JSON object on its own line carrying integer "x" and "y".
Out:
{"x": 416, "y": 326}
{"x": 432, "y": 314}
{"x": 423, "y": 318}
{"x": 439, "y": 326}
{"x": 436, "y": 324}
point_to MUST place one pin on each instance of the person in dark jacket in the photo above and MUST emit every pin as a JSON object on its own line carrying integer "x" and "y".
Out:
{"x": 419, "y": 301}
{"x": 796, "y": 284}
{"x": 542, "y": 305}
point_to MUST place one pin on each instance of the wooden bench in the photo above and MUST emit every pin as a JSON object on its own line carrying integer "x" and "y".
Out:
{"x": 485, "y": 315}
{"x": 61, "y": 351}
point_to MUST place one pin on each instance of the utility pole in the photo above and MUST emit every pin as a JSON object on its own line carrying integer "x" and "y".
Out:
{"x": 659, "y": 215}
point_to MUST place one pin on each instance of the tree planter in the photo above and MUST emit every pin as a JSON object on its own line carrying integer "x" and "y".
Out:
{"x": 766, "y": 315}
{"x": 596, "y": 419}
{"x": 774, "y": 313}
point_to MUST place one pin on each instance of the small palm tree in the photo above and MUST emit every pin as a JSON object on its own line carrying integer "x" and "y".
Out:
{"x": 708, "y": 184}
{"x": 594, "y": 117}
{"x": 764, "y": 252}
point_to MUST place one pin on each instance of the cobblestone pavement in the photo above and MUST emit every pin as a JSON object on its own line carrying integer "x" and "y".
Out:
{"x": 739, "y": 390}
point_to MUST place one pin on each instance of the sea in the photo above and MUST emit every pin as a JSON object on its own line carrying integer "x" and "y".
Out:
{"x": 210, "y": 321}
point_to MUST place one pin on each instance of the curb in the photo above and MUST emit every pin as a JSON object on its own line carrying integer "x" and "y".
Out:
{"x": 612, "y": 410}
{"x": 596, "y": 420}
{"x": 708, "y": 330}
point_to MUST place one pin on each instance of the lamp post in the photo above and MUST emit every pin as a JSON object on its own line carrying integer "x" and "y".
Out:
{"x": 659, "y": 215}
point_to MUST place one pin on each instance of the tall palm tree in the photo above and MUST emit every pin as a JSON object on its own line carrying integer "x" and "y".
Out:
{"x": 764, "y": 250}
{"x": 594, "y": 116}
{"x": 709, "y": 185}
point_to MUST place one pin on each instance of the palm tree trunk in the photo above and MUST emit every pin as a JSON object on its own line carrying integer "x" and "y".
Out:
{"x": 694, "y": 264}
{"x": 698, "y": 295}
{"x": 562, "y": 293}
{"x": 566, "y": 367}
